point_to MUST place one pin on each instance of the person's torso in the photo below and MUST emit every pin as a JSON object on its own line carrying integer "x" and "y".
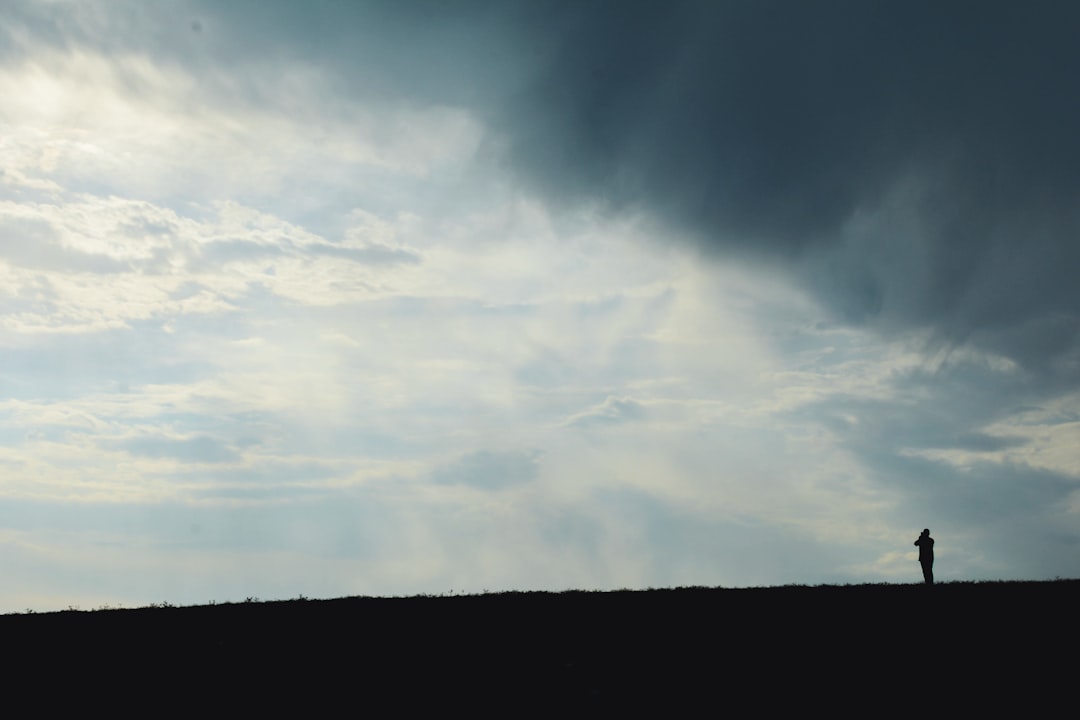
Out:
{"x": 926, "y": 548}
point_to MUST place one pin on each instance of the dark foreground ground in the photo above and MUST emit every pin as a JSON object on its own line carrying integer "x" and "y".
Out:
{"x": 951, "y": 649}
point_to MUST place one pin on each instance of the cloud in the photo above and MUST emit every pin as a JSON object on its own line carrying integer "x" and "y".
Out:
{"x": 609, "y": 412}
{"x": 32, "y": 244}
{"x": 913, "y": 164}
{"x": 219, "y": 252}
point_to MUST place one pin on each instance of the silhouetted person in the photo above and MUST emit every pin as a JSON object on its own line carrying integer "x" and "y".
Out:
{"x": 925, "y": 544}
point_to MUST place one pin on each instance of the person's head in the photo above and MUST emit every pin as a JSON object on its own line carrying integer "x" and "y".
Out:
{"x": 926, "y": 531}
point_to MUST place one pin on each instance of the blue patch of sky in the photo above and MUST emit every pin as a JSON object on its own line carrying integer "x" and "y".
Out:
{"x": 71, "y": 365}
{"x": 683, "y": 546}
{"x": 267, "y": 472}
{"x": 491, "y": 470}
{"x": 262, "y": 525}
{"x": 199, "y": 449}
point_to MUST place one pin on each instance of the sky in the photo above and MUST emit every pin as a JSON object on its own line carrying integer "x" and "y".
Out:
{"x": 388, "y": 298}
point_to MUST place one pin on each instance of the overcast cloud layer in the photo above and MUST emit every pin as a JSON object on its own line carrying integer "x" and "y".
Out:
{"x": 383, "y": 298}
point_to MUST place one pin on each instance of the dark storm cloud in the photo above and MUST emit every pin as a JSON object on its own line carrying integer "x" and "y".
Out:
{"x": 914, "y": 162}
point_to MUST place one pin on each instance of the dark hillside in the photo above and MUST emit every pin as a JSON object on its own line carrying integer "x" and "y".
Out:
{"x": 955, "y": 647}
